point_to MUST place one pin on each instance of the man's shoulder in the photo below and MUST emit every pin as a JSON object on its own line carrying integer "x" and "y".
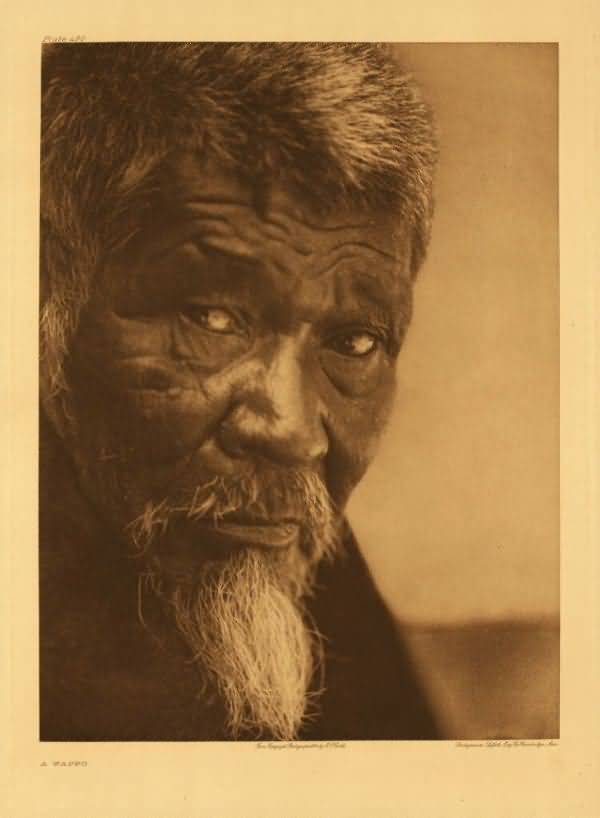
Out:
{"x": 371, "y": 688}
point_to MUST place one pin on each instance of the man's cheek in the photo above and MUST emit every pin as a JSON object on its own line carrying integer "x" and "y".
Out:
{"x": 354, "y": 437}
{"x": 152, "y": 409}
{"x": 165, "y": 425}
{"x": 141, "y": 444}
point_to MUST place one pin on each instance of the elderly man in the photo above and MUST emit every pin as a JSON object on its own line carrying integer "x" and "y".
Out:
{"x": 229, "y": 238}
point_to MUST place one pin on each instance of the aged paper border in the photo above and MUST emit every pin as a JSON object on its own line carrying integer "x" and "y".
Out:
{"x": 173, "y": 780}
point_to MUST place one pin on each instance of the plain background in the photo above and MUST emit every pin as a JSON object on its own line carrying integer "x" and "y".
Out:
{"x": 459, "y": 513}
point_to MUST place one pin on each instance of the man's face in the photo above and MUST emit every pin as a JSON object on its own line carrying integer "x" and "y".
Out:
{"x": 224, "y": 340}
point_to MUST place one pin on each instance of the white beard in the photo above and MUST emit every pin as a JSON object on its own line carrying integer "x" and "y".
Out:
{"x": 242, "y": 617}
{"x": 244, "y": 624}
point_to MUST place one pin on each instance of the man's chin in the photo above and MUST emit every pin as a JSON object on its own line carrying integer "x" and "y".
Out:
{"x": 195, "y": 551}
{"x": 288, "y": 567}
{"x": 241, "y": 617}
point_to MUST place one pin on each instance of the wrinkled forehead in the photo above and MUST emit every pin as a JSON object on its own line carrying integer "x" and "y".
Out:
{"x": 203, "y": 192}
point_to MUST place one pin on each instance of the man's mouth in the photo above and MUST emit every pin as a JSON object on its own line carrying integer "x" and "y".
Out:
{"x": 260, "y": 534}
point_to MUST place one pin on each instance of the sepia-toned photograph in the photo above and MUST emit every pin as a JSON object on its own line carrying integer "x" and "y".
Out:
{"x": 299, "y": 392}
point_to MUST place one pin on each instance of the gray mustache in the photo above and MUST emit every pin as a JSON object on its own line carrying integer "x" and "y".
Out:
{"x": 264, "y": 495}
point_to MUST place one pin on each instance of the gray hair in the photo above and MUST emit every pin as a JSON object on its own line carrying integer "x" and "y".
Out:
{"x": 339, "y": 122}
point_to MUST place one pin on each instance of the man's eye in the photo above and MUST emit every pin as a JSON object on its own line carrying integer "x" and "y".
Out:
{"x": 356, "y": 344}
{"x": 214, "y": 319}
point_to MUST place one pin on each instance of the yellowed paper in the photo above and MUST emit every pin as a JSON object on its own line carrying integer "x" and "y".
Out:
{"x": 507, "y": 559}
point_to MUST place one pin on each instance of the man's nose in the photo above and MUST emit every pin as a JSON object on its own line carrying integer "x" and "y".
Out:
{"x": 276, "y": 414}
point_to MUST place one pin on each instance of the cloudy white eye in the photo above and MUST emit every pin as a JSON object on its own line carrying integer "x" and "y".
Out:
{"x": 215, "y": 319}
{"x": 355, "y": 344}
